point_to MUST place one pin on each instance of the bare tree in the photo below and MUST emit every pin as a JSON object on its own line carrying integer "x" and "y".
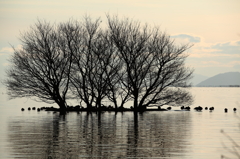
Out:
{"x": 42, "y": 67}
{"x": 114, "y": 74}
{"x": 154, "y": 65}
{"x": 122, "y": 62}
{"x": 84, "y": 64}
{"x": 96, "y": 66}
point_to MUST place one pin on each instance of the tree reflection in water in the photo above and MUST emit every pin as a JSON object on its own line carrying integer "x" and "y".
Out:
{"x": 100, "y": 135}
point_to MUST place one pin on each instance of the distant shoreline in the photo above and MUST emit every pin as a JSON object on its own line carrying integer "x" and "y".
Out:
{"x": 218, "y": 86}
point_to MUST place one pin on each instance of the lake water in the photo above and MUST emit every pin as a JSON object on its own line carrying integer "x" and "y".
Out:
{"x": 168, "y": 134}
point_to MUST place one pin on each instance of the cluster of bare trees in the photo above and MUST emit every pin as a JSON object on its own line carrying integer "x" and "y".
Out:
{"x": 122, "y": 62}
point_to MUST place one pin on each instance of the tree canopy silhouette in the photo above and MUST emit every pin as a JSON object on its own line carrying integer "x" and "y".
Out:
{"x": 154, "y": 65}
{"x": 125, "y": 61}
{"x": 42, "y": 67}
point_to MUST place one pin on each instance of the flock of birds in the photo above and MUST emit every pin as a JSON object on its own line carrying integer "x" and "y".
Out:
{"x": 199, "y": 108}
{"x": 33, "y": 108}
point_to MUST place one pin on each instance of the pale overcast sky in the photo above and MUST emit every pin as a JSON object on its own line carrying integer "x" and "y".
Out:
{"x": 213, "y": 26}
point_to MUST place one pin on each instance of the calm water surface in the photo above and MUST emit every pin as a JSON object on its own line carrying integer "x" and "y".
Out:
{"x": 171, "y": 134}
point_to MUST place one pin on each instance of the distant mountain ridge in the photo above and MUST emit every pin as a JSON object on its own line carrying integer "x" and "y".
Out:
{"x": 197, "y": 78}
{"x": 228, "y": 79}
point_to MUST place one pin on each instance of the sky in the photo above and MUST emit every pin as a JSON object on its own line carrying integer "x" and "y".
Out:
{"x": 212, "y": 26}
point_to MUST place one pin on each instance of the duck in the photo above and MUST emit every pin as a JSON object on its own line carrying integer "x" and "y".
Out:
{"x": 182, "y": 107}
{"x": 169, "y": 108}
{"x": 187, "y": 108}
{"x": 211, "y": 108}
{"x": 226, "y": 110}
{"x": 22, "y": 109}
{"x": 29, "y": 108}
{"x": 234, "y": 109}
{"x": 206, "y": 108}
{"x": 199, "y": 108}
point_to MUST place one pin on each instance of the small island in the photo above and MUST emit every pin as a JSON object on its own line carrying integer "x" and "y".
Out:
{"x": 102, "y": 109}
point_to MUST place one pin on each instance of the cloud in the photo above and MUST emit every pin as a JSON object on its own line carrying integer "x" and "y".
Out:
{"x": 216, "y": 50}
{"x": 8, "y": 50}
{"x": 213, "y": 58}
{"x": 6, "y": 64}
{"x": 214, "y": 63}
{"x": 187, "y": 38}
{"x": 227, "y": 48}
{"x": 213, "y": 55}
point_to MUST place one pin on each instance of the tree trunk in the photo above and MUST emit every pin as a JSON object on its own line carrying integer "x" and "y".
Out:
{"x": 89, "y": 106}
{"x": 135, "y": 104}
{"x": 98, "y": 103}
{"x": 62, "y": 106}
{"x": 115, "y": 103}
